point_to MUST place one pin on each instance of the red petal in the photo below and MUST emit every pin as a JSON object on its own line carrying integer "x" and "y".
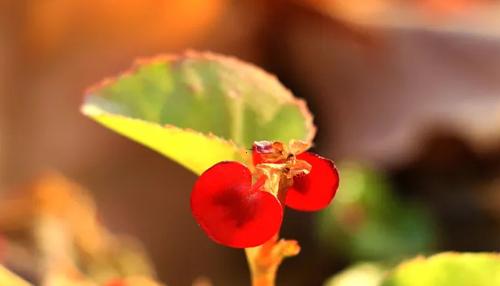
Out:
{"x": 315, "y": 190}
{"x": 230, "y": 211}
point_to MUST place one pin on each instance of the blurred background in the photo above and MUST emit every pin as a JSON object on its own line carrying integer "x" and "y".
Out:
{"x": 406, "y": 97}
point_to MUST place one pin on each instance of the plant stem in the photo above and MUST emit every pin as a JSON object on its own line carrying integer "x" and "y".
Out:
{"x": 262, "y": 272}
{"x": 263, "y": 279}
{"x": 265, "y": 259}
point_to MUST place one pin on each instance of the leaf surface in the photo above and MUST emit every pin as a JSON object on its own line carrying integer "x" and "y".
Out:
{"x": 199, "y": 108}
{"x": 448, "y": 269}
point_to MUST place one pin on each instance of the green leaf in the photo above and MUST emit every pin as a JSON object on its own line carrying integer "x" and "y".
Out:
{"x": 448, "y": 269}
{"x": 199, "y": 108}
{"x": 368, "y": 221}
{"x": 362, "y": 274}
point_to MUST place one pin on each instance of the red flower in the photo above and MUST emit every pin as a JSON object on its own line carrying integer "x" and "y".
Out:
{"x": 232, "y": 211}
{"x": 309, "y": 192}
{"x": 235, "y": 213}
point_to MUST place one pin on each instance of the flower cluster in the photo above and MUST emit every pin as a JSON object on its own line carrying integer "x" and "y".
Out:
{"x": 240, "y": 206}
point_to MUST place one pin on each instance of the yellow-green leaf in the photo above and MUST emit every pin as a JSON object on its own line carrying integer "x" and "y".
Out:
{"x": 448, "y": 269}
{"x": 362, "y": 274}
{"x": 199, "y": 108}
{"x": 8, "y": 278}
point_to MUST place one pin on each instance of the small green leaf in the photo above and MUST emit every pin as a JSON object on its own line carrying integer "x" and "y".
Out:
{"x": 199, "y": 108}
{"x": 448, "y": 269}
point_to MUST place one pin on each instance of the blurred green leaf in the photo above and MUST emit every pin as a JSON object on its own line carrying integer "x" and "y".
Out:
{"x": 199, "y": 108}
{"x": 448, "y": 269}
{"x": 367, "y": 221}
{"x": 362, "y": 274}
